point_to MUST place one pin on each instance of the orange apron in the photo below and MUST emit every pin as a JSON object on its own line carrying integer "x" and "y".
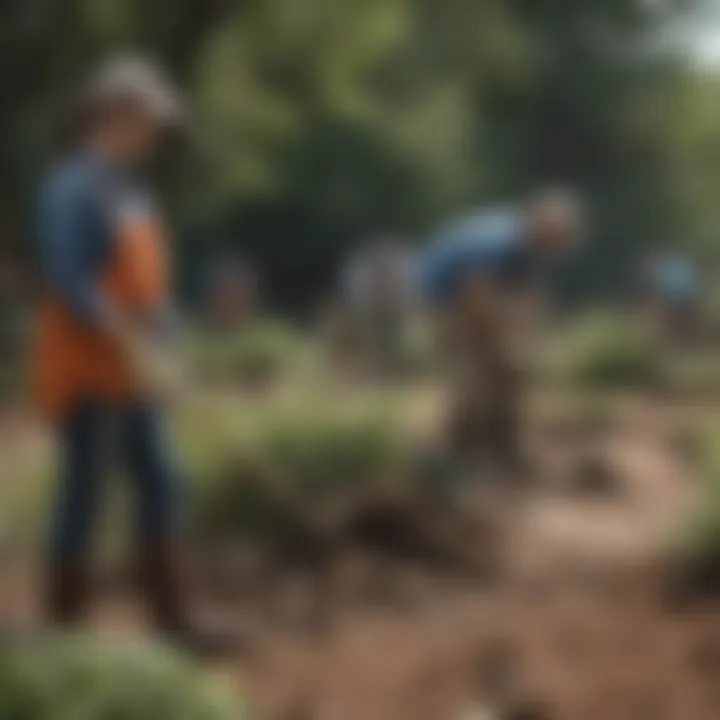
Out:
{"x": 73, "y": 360}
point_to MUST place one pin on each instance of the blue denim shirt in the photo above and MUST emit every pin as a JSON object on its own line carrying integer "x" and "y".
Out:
{"x": 80, "y": 204}
{"x": 490, "y": 243}
{"x": 676, "y": 278}
{"x": 76, "y": 228}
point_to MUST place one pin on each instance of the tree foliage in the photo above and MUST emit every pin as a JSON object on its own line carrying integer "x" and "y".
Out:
{"x": 316, "y": 121}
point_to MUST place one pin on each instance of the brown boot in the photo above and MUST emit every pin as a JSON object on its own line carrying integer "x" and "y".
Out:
{"x": 67, "y": 592}
{"x": 167, "y": 599}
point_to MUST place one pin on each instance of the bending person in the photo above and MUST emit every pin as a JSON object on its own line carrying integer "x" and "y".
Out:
{"x": 479, "y": 276}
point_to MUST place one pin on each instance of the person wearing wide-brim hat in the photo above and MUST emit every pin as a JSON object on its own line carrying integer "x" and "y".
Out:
{"x": 105, "y": 311}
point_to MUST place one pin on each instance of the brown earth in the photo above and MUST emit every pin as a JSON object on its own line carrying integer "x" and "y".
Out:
{"x": 570, "y": 620}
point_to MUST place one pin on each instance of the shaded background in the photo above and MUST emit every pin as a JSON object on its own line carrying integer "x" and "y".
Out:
{"x": 594, "y": 592}
{"x": 318, "y": 121}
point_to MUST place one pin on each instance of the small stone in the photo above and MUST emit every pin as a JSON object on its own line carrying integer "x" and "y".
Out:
{"x": 497, "y": 670}
{"x": 594, "y": 476}
{"x": 705, "y": 658}
{"x": 479, "y": 712}
{"x": 525, "y": 711}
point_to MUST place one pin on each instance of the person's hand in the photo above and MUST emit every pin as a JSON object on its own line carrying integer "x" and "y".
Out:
{"x": 157, "y": 371}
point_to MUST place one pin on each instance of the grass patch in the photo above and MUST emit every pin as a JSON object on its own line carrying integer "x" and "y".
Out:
{"x": 255, "y": 468}
{"x": 73, "y": 678}
{"x": 265, "y": 474}
{"x": 257, "y": 355}
{"x": 699, "y": 544}
{"x": 693, "y": 375}
{"x": 604, "y": 350}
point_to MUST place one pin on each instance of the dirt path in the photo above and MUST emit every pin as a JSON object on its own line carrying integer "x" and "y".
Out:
{"x": 574, "y": 628}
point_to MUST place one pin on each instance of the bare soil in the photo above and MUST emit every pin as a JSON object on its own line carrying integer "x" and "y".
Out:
{"x": 564, "y": 616}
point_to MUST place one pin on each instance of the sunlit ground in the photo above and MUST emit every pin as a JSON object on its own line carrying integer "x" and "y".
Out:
{"x": 556, "y": 598}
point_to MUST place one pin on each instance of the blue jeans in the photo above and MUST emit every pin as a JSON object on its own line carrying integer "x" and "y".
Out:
{"x": 89, "y": 436}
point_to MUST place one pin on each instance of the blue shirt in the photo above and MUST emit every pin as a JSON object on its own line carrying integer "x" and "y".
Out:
{"x": 676, "y": 278}
{"x": 76, "y": 231}
{"x": 364, "y": 288}
{"x": 489, "y": 243}
{"x": 80, "y": 205}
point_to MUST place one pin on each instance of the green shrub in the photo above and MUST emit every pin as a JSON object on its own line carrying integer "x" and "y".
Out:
{"x": 710, "y": 311}
{"x": 64, "y": 678}
{"x": 259, "y": 354}
{"x": 693, "y": 375}
{"x": 292, "y": 457}
{"x": 256, "y": 467}
{"x": 700, "y": 541}
{"x": 420, "y": 356}
{"x": 321, "y": 450}
{"x": 605, "y": 350}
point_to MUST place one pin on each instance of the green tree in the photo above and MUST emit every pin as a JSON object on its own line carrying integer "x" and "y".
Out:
{"x": 317, "y": 121}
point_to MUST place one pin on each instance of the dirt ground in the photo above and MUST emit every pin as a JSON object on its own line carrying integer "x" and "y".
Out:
{"x": 574, "y": 626}
{"x": 572, "y": 621}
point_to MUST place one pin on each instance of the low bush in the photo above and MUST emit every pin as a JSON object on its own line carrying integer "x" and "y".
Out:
{"x": 695, "y": 374}
{"x": 291, "y": 458}
{"x": 605, "y": 350}
{"x": 258, "y": 468}
{"x": 258, "y": 354}
{"x": 70, "y": 678}
{"x": 699, "y": 544}
{"x": 420, "y": 356}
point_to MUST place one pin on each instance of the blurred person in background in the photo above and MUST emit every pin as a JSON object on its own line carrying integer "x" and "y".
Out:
{"x": 673, "y": 291}
{"x": 480, "y": 277}
{"x": 105, "y": 311}
{"x": 377, "y": 291}
{"x": 231, "y": 292}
